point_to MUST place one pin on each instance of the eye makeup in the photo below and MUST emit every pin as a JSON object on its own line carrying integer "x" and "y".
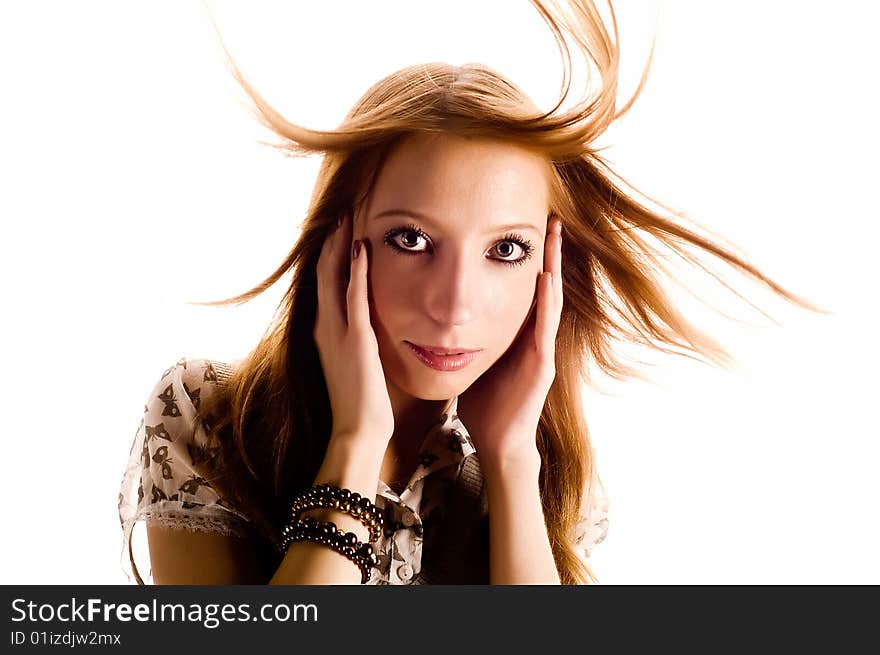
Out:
{"x": 410, "y": 229}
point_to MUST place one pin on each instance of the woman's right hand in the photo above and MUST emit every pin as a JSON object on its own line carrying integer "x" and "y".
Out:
{"x": 347, "y": 345}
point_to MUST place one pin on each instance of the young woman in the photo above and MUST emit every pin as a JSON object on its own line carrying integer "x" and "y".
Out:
{"x": 463, "y": 258}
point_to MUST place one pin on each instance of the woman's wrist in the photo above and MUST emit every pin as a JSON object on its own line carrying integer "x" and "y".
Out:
{"x": 522, "y": 465}
{"x": 352, "y": 463}
{"x": 353, "y": 457}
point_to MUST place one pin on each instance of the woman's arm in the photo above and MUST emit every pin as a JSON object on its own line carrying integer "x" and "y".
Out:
{"x": 184, "y": 557}
{"x": 519, "y": 547}
{"x": 348, "y": 466}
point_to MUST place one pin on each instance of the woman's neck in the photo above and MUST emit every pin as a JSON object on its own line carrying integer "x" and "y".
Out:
{"x": 412, "y": 419}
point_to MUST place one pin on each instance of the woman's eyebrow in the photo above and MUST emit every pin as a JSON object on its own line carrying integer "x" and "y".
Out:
{"x": 430, "y": 221}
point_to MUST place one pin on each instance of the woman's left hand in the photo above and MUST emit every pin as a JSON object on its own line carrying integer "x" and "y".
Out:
{"x": 501, "y": 410}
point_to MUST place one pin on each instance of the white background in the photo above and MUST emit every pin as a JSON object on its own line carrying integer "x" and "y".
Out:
{"x": 132, "y": 182}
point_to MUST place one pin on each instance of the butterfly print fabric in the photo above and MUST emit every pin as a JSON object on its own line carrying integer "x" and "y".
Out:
{"x": 432, "y": 526}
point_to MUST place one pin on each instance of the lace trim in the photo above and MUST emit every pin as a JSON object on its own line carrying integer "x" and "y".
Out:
{"x": 196, "y": 523}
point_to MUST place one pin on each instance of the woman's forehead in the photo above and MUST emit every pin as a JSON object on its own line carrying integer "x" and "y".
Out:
{"x": 439, "y": 175}
{"x": 450, "y": 152}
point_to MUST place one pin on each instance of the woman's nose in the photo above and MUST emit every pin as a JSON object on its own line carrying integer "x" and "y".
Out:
{"x": 453, "y": 290}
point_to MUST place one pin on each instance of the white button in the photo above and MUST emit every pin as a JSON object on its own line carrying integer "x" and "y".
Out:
{"x": 408, "y": 518}
{"x": 404, "y": 571}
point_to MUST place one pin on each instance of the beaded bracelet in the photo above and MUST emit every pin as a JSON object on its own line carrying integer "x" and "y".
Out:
{"x": 329, "y": 534}
{"x": 326, "y": 496}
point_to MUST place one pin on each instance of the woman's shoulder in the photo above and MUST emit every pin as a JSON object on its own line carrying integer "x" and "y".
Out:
{"x": 195, "y": 372}
{"x": 175, "y": 444}
{"x": 178, "y": 409}
{"x": 189, "y": 380}
{"x": 168, "y": 479}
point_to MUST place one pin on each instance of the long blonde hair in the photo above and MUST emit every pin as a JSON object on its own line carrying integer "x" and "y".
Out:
{"x": 276, "y": 403}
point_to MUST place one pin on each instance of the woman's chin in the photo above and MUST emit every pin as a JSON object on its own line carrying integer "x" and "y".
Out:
{"x": 431, "y": 385}
{"x": 438, "y": 391}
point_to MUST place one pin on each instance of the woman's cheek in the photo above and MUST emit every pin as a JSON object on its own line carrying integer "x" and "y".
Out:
{"x": 387, "y": 291}
{"x": 516, "y": 314}
{"x": 520, "y": 295}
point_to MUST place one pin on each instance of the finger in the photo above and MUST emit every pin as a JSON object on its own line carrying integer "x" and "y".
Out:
{"x": 553, "y": 257}
{"x": 356, "y": 298}
{"x": 549, "y": 244}
{"x": 342, "y": 257}
{"x": 556, "y": 268}
{"x": 546, "y": 319}
{"x": 330, "y": 296}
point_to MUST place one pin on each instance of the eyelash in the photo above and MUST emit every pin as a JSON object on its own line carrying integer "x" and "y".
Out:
{"x": 525, "y": 244}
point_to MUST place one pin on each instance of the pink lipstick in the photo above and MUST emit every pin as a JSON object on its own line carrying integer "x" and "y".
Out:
{"x": 454, "y": 359}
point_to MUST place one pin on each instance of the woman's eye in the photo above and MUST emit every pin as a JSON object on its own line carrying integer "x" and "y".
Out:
{"x": 507, "y": 250}
{"x": 405, "y": 239}
{"x": 511, "y": 249}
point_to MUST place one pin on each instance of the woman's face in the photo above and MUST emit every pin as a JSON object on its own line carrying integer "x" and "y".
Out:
{"x": 456, "y": 230}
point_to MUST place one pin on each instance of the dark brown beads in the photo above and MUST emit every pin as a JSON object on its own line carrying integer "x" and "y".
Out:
{"x": 326, "y": 496}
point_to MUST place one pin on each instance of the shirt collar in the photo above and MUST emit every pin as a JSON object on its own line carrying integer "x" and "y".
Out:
{"x": 446, "y": 443}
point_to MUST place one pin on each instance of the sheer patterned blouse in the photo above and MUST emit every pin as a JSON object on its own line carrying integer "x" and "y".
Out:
{"x": 162, "y": 486}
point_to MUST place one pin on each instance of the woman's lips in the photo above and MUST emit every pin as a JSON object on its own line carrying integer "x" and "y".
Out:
{"x": 442, "y": 362}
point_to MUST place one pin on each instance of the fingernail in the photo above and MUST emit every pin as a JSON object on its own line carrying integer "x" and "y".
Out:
{"x": 356, "y": 249}
{"x": 558, "y": 227}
